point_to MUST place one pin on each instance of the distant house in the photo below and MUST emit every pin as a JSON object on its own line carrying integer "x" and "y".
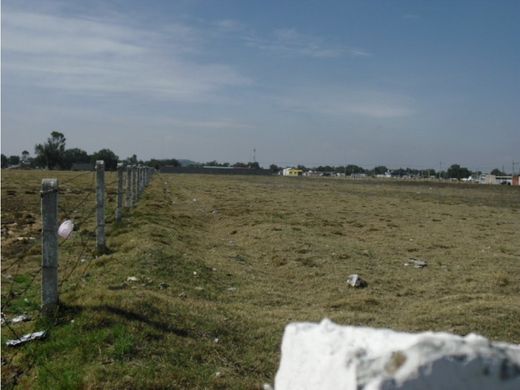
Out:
{"x": 493, "y": 179}
{"x": 292, "y": 172}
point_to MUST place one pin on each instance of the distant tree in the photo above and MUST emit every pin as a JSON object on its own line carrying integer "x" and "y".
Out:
{"x": 302, "y": 167}
{"x": 274, "y": 168}
{"x": 429, "y": 172}
{"x": 157, "y": 164}
{"x": 326, "y": 168}
{"x": 380, "y": 170}
{"x": 51, "y": 153}
{"x": 13, "y": 160}
{"x": 74, "y": 155}
{"x": 4, "y": 161}
{"x": 253, "y": 165}
{"x": 108, "y": 156}
{"x": 215, "y": 163}
{"x": 353, "y": 169}
{"x": 455, "y": 171}
{"x": 132, "y": 160}
{"x": 497, "y": 172}
{"x": 239, "y": 165}
{"x": 25, "y": 156}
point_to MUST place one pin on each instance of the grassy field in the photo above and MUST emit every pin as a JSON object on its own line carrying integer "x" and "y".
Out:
{"x": 224, "y": 263}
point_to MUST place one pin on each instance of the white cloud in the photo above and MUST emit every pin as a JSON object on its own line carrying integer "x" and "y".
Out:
{"x": 230, "y": 25}
{"x": 368, "y": 104}
{"x": 84, "y": 56}
{"x": 288, "y": 41}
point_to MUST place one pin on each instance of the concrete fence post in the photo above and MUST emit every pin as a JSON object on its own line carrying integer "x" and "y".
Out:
{"x": 119, "y": 209}
{"x": 140, "y": 179}
{"x": 100, "y": 205}
{"x": 134, "y": 183}
{"x": 129, "y": 186}
{"x": 49, "y": 209}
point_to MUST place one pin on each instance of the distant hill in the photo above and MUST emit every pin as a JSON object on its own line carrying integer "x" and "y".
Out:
{"x": 186, "y": 163}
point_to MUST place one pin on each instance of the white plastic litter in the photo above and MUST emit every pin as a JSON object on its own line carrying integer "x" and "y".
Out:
{"x": 20, "y": 318}
{"x": 355, "y": 280}
{"x": 66, "y": 229}
{"x": 25, "y": 338}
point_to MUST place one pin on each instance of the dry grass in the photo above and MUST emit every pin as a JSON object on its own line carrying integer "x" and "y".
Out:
{"x": 243, "y": 256}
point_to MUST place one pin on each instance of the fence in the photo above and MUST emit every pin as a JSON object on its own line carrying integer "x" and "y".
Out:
{"x": 131, "y": 182}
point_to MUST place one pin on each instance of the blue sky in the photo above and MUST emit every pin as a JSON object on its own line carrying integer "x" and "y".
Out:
{"x": 399, "y": 83}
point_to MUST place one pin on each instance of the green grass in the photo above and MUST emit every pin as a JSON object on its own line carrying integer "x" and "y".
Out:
{"x": 224, "y": 263}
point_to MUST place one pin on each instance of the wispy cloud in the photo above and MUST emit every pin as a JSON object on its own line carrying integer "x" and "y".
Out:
{"x": 367, "y": 104}
{"x": 229, "y": 25}
{"x": 107, "y": 56}
{"x": 290, "y": 42}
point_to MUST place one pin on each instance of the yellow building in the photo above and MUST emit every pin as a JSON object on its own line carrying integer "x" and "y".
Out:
{"x": 292, "y": 172}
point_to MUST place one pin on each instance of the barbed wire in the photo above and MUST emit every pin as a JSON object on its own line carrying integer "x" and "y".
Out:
{"x": 83, "y": 215}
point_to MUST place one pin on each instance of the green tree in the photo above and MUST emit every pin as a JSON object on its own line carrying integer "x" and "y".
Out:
{"x": 4, "y": 161}
{"x": 497, "y": 172}
{"x": 274, "y": 168}
{"x": 380, "y": 170}
{"x": 74, "y": 155}
{"x": 350, "y": 169}
{"x": 109, "y": 157}
{"x": 132, "y": 160}
{"x": 455, "y": 171}
{"x": 13, "y": 160}
{"x": 50, "y": 154}
{"x": 25, "y": 156}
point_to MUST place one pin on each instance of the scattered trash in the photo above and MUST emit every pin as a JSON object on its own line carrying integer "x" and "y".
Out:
{"x": 26, "y": 338}
{"x": 267, "y": 386}
{"x": 83, "y": 260}
{"x": 66, "y": 229}
{"x": 355, "y": 280}
{"x": 214, "y": 269}
{"x": 217, "y": 374}
{"x": 194, "y": 273}
{"x": 216, "y": 340}
{"x": 20, "y": 318}
{"x": 182, "y": 295}
{"x": 199, "y": 288}
{"x": 25, "y": 238}
{"x": 194, "y": 199}
{"x": 2, "y": 318}
{"x": 162, "y": 286}
{"x": 132, "y": 279}
{"x": 232, "y": 289}
{"x": 417, "y": 263}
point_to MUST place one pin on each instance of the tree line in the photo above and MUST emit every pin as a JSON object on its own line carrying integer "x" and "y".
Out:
{"x": 53, "y": 154}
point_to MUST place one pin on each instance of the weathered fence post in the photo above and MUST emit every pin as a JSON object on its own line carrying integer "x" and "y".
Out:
{"x": 100, "y": 202}
{"x": 140, "y": 179}
{"x": 49, "y": 208}
{"x": 134, "y": 183}
{"x": 119, "y": 192}
{"x": 129, "y": 186}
